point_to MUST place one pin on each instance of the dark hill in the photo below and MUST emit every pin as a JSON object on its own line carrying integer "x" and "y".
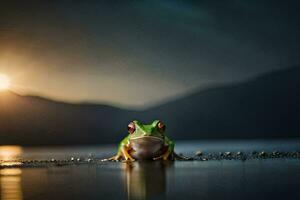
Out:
{"x": 32, "y": 120}
{"x": 265, "y": 107}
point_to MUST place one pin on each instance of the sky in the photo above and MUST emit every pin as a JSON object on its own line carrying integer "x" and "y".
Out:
{"x": 136, "y": 54}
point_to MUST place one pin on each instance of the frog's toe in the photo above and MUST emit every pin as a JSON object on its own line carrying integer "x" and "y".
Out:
{"x": 164, "y": 157}
{"x": 167, "y": 158}
{"x": 130, "y": 159}
{"x": 180, "y": 157}
{"x": 114, "y": 158}
{"x": 157, "y": 158}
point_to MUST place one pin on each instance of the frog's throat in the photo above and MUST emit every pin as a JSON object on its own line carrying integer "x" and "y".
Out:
{"x": 147, "y": 137}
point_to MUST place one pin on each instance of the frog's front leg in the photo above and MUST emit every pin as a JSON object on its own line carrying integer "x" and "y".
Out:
{"x": 123, "y": 153}
{"x": 117, "y": 157}
{"x": 167, "y": 154}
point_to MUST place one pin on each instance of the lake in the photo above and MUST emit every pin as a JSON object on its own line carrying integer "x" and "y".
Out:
{"x": 277, "y": 178}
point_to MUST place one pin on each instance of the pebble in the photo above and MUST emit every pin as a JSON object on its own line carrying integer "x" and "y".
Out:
{"x": 294, "y": 154}
{"x": 72, "y": 159}
{"x": 199, "y": 153}
{"x": 275, "y": 153}
{"x": 262, "y": 154}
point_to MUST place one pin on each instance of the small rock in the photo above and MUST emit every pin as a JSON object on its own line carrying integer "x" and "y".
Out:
{"x": 239, "y": 153}
{"x": 78, "y": 159}
{"x": 72, "y": 159}
{"x": 89, "y": 159}
{"x": 262, "y": 154}
{"x": 228, "y": 153}
{"x": 294, "y": 154}
{"x": 52, "y": 160}
{"x": 199, "y": 153}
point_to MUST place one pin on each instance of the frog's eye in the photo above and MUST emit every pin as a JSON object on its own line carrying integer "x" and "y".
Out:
{"x": 131, "y": 127}
{"x": 161, "y": 127}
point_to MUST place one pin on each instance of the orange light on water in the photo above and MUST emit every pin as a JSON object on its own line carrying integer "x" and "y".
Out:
{"x": 10, "y": 178}
{"x": 10, "y": 184}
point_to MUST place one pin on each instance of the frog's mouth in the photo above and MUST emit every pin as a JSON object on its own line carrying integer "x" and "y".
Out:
{"x": 146, "y": 142}
{"x": 146, "y": 138}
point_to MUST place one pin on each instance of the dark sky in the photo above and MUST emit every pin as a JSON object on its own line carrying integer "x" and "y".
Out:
{"x": 139, "y": 53}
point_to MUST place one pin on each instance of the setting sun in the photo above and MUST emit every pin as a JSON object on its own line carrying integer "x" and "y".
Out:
{"x": 4, "y": 82}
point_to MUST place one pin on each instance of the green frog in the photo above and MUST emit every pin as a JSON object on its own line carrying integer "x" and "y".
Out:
{"x": 146, "y": 142}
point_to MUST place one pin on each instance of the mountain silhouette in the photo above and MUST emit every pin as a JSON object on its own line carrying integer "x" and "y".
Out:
{"x": 264, "y": 107}
{"x": 30, "y": 120}
{"x": 267, "y": 106}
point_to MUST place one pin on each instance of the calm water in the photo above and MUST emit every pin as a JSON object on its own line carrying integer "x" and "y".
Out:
{"x": 226, "y": 179}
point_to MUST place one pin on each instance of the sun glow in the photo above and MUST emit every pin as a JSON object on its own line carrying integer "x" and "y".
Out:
{"x": 4, "y": 82}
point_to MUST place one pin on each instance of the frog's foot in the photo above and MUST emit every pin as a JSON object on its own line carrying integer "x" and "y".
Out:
{"x": 114, "y": 158}
{"x": 180, "y": 157}
{"x": 128, "y": 159}
{"x": 164, "y": 156}
{"x": 126, "y": 155}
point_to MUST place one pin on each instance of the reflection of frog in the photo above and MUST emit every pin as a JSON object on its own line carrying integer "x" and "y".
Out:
{"x": 139, "y": 180}
{"x": 146, "y": 142}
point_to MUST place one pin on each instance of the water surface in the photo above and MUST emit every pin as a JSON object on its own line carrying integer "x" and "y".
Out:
{"x": 225, "y": 179}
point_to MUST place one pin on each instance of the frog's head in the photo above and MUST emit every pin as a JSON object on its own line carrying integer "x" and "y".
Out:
{"x": 154, "y": 131}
